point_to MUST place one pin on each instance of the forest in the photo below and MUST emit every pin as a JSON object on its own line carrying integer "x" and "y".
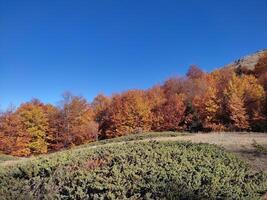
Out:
{"x": 227, "y": 99}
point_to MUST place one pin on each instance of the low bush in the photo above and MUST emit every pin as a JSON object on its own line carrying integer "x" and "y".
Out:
{"x": 140, "y": 170}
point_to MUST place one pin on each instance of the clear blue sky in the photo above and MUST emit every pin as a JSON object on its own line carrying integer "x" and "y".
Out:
{"x": 94, "y": 46}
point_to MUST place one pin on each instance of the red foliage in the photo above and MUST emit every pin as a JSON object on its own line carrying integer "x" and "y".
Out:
{"x": 127, "y": 113}
{"x": 194, "y": 72}
{"x": 169, "y": 115}
{"x": 13, "y": 137}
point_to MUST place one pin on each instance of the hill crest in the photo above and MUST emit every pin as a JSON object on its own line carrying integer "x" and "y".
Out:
{"x": 248, "y": 61}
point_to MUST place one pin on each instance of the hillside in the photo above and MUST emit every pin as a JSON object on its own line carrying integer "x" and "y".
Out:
{"x": 249, "y": 61}
{"x": 153, "y": 166}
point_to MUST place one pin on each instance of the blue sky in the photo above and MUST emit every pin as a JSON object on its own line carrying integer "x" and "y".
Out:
{"x": 108, "y": 46}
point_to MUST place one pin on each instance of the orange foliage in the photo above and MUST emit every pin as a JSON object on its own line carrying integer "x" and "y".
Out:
{"x": 13, "y": 138}
{"x": 208, "y": 107}
{"x": 35, "y": 123}
{"x": 55, "y": 124}
{"x": 245, "y": 99}
{"x": 261, "y": 74}
{"x": 100, "y": 105}
{"x": 238, "y": 114}
{"x": 169, "y": 115}
{"x": 77, "y": 119}
{"x": 127, "y": 113}
{"x": 194, "y": 72}
{"x": 156, "y": 96}
{"x": 174, "y": 86}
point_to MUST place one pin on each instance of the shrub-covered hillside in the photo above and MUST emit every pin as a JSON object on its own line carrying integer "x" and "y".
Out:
{"x": 144, "y": 170}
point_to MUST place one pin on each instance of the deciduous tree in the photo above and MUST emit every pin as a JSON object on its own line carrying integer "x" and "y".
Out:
{"x": 100, "y": 105}
{"x": 13, "y": 138}
{"x": 236, "y": 105}
{"x": 77, "y": 117}
{"x": 35, "y": 122}
{"x": 238, "y": 114}
{"x": 129, "y": 112}
{"x": 169, "y": 115}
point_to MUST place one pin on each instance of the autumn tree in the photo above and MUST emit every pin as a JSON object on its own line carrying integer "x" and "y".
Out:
{"x": 128, "y": 112}
{"x": 77, "y": 120}
{"x": 196, "y": 83}
{"x": 253, "y": 94}
{"x": 35, "y": 122}
{"x": 245, "y": 97}
{"x": 86, "y": 129}
{"x": 156, "y": 96}
{"x": 100, "y": 105}
{"x": 254, "y": 97}
{"x": 260, "y": 72}
{"x": 193, "y": 85}
{"x": 220, "y": 79}
{"x": 238, "y": 114}
{"x": 168, "y": 115}
{"x": 13, "y": 138}
{"x": 194, "y": 72}
{"x": 55, "y": 127}
{"x": 257, "y": 74}
{"x": 173, "y": 86}
{"x": 208, "y": 107}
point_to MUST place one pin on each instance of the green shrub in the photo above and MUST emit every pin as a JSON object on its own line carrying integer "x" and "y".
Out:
{"x": 144, "y": 170}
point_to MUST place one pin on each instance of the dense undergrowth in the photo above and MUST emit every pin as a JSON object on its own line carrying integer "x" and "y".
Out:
{"x": 144, "y": 170}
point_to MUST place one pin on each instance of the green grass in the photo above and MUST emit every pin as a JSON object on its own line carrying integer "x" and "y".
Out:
{"x": 134, "y": 170}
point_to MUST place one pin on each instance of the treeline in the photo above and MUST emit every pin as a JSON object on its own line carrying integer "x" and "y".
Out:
{"x": 224, "y": 100}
